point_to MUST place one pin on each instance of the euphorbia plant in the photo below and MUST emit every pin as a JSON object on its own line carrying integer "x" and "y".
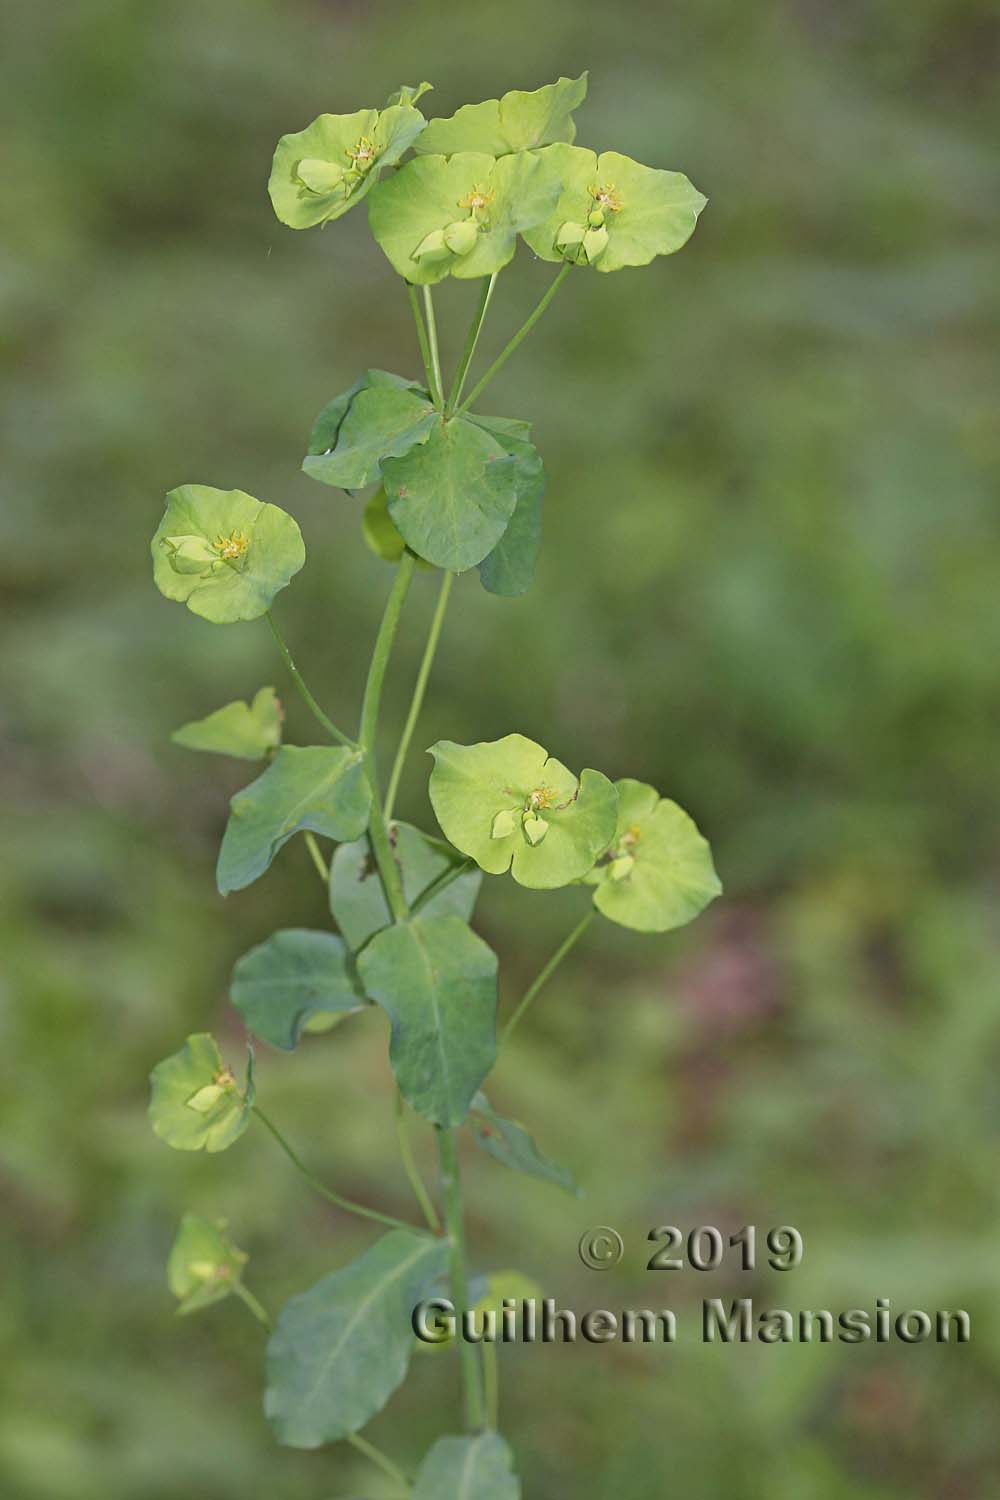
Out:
{"x": 451, "y": 489}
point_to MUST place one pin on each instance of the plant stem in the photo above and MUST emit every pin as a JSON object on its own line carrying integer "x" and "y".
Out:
{"x": 516, "y": 341}
{"x": 257, "y": 1308}
{"x": 425, "y": 352}
{"x": 304, "y": 692}
{"x": 420, "y": 687}
{"x": 321, "y": 1188}
{"x": 317, "y": 858}
{"x": 442, "y": 883}
{"x": 451, "y": 1189}
{"x": 432, "y": 339}
{"x": 547, "y": 972}
{"x": 491, "y": 1384}
{"x": 475, "y": 329}
{"x": 378, "y": 831}
{"x": 380, "y": 1459}
{"x": 411, "y": 1169}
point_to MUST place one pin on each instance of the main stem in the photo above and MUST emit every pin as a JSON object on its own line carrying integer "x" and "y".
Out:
{"x": 451, "y": 1190}
{"x": 419, "y": 689}
{"x": 515, "y": 342}
{"x": 378, "y": 830}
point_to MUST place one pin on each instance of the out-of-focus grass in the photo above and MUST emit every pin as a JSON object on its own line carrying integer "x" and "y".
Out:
{"x": 769, "y": 586}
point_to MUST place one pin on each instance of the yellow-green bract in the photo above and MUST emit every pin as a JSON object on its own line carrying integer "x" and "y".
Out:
{"x": 247, "y": 731}
{"x": 516, "y": 122}
{"x": 195, "y": 1103}
{"x": 322, "y": 171}
{"x": 204, "y": 1266}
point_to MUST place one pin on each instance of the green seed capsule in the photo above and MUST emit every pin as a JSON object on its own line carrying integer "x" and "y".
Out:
{"x": 461, "y": 236}
{"x": 535, "y": 829}
{"x": 320, "y": 176}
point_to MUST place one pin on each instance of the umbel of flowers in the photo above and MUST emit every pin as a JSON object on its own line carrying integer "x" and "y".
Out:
{"x": 445, "y": 487}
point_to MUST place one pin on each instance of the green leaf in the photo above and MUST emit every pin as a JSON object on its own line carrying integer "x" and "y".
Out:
{"x": 645, "y": 212}
{"x": 510, "y": 1143}
{"x": 322, "y": 171}
{"x": 223, "y": 553}
{"x": 471, "y": 785}
{"x": 340, "y": 1350}
{"x": 381, "y": 422}
{"x": 510, "y": 567}
{"x": 357, "y": 899}
{"x": 459, "y": 216}
{"x": 657, "y": 873}
{"x": 248, "y": 731}
{"x": 204, "y": 1264}
{"x": 409, "y": 93}
{"x": 284, "y": 982}
{"x": 437, "y": 982}
{"x": 452, "y": 497}
{"x": 324, "y": 790}
{"x": 326, "y": 428}
{"x": 516, "y": 122}
{"x": 195, "y": 1103}
{"x": 468, "y": 1468}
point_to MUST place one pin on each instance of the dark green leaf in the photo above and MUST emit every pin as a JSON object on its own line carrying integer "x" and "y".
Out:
{"x": 357, "y": 899}
{"x": 468, "y": 1468}
{"x": 306, "y": 787}
{"x": 437, "y": 982}
{"x": 510, "y": 567}
{"x": 452, "y": 497}
{"x": 511, "y": 1144}
{"x": 295, "y": 975}
{"x": 381, "y": 422}
{"x": 326, "y": 428}
{"x": 340, "y": 1350}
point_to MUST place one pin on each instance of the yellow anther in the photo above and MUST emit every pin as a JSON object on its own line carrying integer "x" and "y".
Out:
{"x": 542, "y": 797}
{"x": 363, "y": 154}
{"x": 606, "y": 195}
{"x": 232, "y": 546}
{"x": 477, "y": 200}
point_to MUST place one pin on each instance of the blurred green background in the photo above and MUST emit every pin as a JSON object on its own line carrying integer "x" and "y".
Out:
{"x": 769, "y": 586}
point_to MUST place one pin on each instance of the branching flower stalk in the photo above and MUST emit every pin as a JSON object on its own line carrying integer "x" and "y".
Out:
{"x": 459, "y": 492}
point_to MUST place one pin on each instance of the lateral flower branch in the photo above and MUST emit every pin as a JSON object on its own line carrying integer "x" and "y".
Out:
{"x": 449, "y": 488}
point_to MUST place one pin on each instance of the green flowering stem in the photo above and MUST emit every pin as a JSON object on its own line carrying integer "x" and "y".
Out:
{"x": 321, "y": 1188}
{"x": 547, "y": 972}
{"x": 451, "y": 1190}
{"x": 425, "y": 348}
{"x": 411, "y": 1169}
{"x": 515, "y": 342}
{"x": 442, "y": 883}
{"x": 475, "y": 329}
{"x": 304, "y": 692}
{"x": 317, "y": 858}
{"x": 432, "y": 339}
{"x": 257, "y": 1308}
{"x": 419, "y": 689}
{"x": 378, "y": 831}
{"x": 380, "y": 1460}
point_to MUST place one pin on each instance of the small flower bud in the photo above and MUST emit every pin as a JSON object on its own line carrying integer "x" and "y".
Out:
{"x": 461, "y": 236}
{"x": 189, "y": 554}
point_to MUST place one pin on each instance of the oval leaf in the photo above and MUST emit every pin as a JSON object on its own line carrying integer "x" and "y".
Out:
{"x": 306, "y": 787}
{"x": 223, "y": 553}
{"x": 468, "y": 1468}
{"x": 295, "y": 975}
{"x": 322, "y": 171}
{"x": 357, "y": 899}
{"x": 516, "y": 122}
{"x": 644, "y": 212}
{"x": 195, "y": 1103}
{"x": 248, "y": 731}
{"x": 452, "y": 498}
{"x": 510, "y": 1143}
{"x": 437, "y": 982}
{"x": 340, "y": 1350}
{"x": 657, "y": 873}
{"x": 507, "y": 805}
{"x": 381, "y": 422}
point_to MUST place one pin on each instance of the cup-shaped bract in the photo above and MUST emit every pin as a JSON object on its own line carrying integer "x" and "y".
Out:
{"x": 517, "y": 122}
{"x": 460, "y": 215}
{"x": 195, "y": 1102}
{"x": 322, "y": 171}
{"x": 657, "y": 872}
{"x": 508, "y": 805}
{"x": 612, "y": 211}
{"x": 223, "y": 553}
{"x": 204, "y": 1266}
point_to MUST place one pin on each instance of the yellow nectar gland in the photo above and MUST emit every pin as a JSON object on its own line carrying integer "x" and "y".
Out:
{"x": 605, "y": 196}
{"x": 232, "y": 547}
{"x": 541, "y": 798}
{"x": 477, "y": 200}
{"x": 224, "y": 1078}
{"x": 363, "y": 154}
